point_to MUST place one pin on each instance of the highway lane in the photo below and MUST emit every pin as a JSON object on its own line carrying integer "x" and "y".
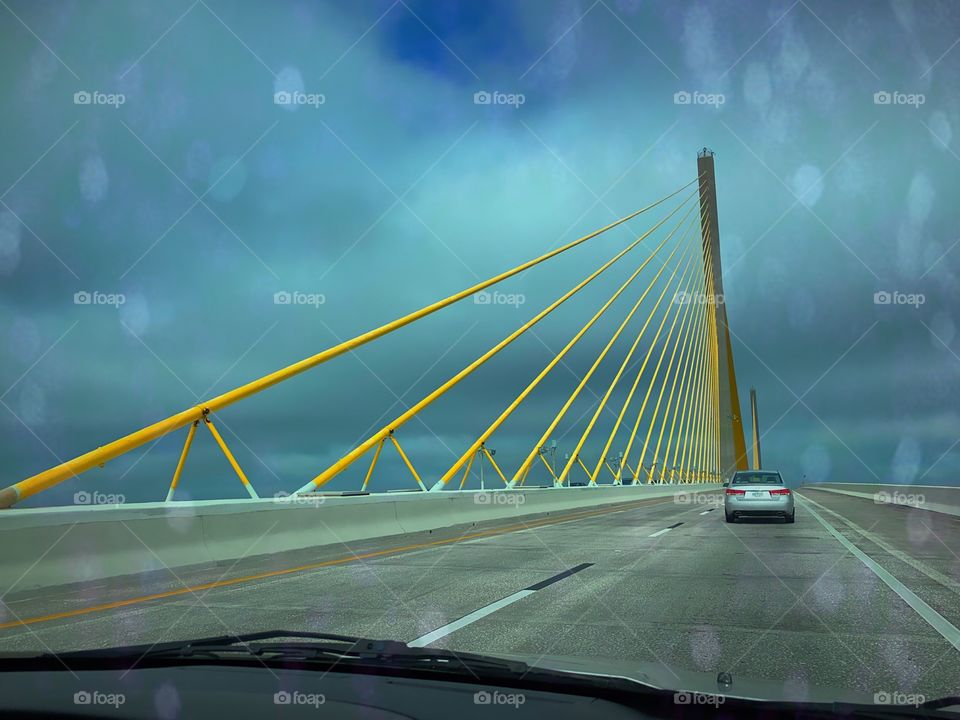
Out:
{"x": 758, "y": 598}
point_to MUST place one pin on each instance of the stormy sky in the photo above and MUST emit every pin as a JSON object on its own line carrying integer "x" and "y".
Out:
{"x": 146, "y": 158}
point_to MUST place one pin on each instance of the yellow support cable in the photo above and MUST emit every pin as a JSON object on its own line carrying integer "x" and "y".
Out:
{"x": 715, "y": 446}
{"x": 693, "y": 421}
{"x": 566, "y": 406}
{"x": 712, "y": 422}
{"x": 675, "y": 435}
{"x": 616, "y": 379}
{"x": 684, "y": 391}
{"x": 689, "y": 452}
{"x": 55, "y": 475}
{"x": 603, "y": 401}
{"x": 553, "y": 362}
{"x": 671, "y": 372}
{"x": 708, "y": 440}
{"x": 358, "y": 451}
{"x": 677, "y": 371}
{"x": 656, "y": 410}
{"x": 656, "y": 372}
{"x": 703, "y": 407}
{"x": 715, "y": 394}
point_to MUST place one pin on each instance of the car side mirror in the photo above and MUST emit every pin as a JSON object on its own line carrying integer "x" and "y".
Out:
{"x": 726, "y": 484}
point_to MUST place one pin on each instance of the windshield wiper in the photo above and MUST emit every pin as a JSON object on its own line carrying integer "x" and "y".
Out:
{"x": 320, "y": 646}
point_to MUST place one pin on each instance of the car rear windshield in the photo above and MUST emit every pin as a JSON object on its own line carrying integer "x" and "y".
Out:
{"x": 757, "y": 479}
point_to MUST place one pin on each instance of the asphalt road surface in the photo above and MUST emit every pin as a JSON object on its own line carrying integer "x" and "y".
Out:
{"x": 854, "y": 595}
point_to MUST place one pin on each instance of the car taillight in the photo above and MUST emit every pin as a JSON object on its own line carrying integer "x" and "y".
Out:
{"x": 731, "y": 491}
{"x": 784, "y": 491}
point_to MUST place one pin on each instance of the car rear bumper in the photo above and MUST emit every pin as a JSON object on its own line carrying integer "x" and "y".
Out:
{"x": 759, "y": 507}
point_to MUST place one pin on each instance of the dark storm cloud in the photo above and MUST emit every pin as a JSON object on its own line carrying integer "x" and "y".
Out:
{"x": 826, "y": 199}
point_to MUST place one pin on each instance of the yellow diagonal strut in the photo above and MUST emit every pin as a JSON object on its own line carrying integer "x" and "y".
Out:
{"x": 230, "y": 458}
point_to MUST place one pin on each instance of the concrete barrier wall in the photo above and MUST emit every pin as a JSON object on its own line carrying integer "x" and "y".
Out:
{"x": 40, "y": 547}
{"x": 936, "y": 498}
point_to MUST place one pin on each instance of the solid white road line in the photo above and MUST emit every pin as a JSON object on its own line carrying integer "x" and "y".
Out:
{"x": 440, "y": 632}
{"x": 903, "y": 557}
{"x": 939, "y": 623}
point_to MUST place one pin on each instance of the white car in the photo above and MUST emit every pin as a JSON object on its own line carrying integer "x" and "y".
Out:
{"x": 757, "y": 493}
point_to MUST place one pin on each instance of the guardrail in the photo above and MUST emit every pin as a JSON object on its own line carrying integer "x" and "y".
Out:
{"x": 41, "y": 547}
{"x": 936, "y": 498}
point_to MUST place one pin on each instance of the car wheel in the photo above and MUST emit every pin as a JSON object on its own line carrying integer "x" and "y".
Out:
{"x": 731, "y": 518}
{"x": 790, "y": 518}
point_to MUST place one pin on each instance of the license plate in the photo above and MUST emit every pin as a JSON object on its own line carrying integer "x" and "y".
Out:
{"x": 757, "y": 495}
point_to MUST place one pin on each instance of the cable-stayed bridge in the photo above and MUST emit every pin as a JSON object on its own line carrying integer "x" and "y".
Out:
{"x": 622, "y": 552}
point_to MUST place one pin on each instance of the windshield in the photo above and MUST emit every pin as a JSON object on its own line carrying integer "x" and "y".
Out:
{"x": 462, "y": 325}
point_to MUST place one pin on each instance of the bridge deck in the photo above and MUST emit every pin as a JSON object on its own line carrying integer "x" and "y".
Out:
{"x": 759, "y": 598}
